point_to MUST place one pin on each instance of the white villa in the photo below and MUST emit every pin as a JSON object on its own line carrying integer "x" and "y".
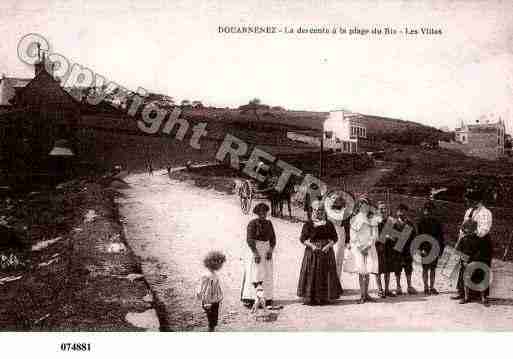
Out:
{"x": 342, "y": 130}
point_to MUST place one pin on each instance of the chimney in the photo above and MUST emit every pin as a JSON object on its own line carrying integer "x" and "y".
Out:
{"x": 40, "y": 64}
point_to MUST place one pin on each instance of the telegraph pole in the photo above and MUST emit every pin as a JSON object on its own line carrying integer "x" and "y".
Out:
{"x": 321, "y": 155}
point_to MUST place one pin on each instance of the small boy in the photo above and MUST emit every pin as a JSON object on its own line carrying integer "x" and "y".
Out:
{"x": 404, "y": 259}
{"x": 209, "y": 290}
{"x": 429, "y": 225}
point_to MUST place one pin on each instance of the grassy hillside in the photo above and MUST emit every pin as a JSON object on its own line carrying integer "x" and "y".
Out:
{"x": 255, "y": 124}
{"x": 399, "y": 131}
{"x": 420, "y": 170}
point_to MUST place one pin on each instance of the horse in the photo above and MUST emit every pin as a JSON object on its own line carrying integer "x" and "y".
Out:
{"x": 278, "y": 198}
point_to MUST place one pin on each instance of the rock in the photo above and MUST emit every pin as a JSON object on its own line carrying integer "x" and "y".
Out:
{"x": 134, "y": 276}
{"x": 9, "y": 262}
{"x": 43, "y": 244}
{"x": 115, "y": 238}
{"x": 3, "y": 222}
{"x": 90, "y": 216}
{"x": 116, "y": 248}
{"x": 42, "y": 318}
{"x": 9, "y": 279}
{"x": 45, "y": 264}
{"x": 130, "y": 277}
{"x": 117, "y": 183}
{"x": 147, "y": 320}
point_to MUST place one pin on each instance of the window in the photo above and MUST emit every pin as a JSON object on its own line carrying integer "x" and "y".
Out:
{"x": 345, "y": 146}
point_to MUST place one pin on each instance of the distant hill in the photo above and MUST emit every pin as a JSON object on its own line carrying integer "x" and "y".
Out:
{"x": 400, "y": 131}
{"x": 265, "y": 125}
{"x": 256, "y": 115}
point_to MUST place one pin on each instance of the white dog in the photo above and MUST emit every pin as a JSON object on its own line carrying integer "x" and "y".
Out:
{"x": 259, "y": 309}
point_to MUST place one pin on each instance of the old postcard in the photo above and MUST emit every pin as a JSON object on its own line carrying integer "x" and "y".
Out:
{"x": 289, "y": 166}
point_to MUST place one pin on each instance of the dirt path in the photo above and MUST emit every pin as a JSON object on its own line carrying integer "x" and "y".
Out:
{"x": 170, "y": 225}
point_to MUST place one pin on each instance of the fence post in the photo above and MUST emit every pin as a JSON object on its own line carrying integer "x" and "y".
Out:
{"x": 506, "y": 250}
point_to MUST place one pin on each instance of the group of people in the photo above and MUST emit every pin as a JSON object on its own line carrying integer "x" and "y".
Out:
{"x": 371, "y": 249}
{"x": 375, "y": 243}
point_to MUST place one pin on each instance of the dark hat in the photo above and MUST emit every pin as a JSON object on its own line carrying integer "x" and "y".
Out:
{"x": 474, "y": 194}
{"x": 339, "y": 202}
{"x": 261, "y": 207}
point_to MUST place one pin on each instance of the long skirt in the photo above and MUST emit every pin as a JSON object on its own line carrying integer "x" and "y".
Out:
{"x": 261, "y": 272}
{"x": 478, "y": 250}
{"x": 318, "y": 280}
{"x": 386, "y": 257}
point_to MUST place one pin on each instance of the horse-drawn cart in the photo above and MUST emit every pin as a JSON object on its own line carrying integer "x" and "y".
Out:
{"x": 249, "y": 190}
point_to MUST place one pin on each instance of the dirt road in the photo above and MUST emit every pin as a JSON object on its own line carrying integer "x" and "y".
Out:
{"x": 170, "y": 225}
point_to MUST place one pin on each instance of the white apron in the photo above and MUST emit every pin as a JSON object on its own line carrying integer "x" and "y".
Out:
{"x": 261, "y": 272}
{"x": 339, "y": 249}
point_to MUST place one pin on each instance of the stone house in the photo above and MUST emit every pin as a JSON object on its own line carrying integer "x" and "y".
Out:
{"x": 483, "y": 139}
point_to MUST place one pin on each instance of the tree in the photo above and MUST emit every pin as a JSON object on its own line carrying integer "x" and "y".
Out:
{"x": 255, "y": 101}
{"x": 186, "y": 103}
{"x": 253, "y": 105}
{"x": 197, "y": 104}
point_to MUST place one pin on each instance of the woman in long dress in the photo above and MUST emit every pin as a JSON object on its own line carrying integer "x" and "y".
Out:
{"x": 362, "y": 244}
{"x": 261, "y": 241}
{"x": 475, "y": 243}
{"x": 318, "y": 281}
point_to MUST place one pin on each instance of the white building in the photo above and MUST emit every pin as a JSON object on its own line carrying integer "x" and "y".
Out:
{"x": 342, "y": 130}
{"x": 485, "y": 138}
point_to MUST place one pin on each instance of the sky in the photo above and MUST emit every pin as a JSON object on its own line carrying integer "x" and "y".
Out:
{"x": 174, "y": 48}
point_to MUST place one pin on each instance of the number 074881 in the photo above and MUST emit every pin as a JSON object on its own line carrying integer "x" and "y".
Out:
{"x": 76, "y": 347}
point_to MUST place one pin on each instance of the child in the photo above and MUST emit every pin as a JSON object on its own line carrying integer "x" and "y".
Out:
{"x": 429, "y": 225}
{"x": 209, "y": 291}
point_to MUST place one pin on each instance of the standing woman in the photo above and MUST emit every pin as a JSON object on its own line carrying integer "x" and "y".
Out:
{"x": 476, "y": 244}
{"x": 261, "y": 241}
{"x": 318, "y": 280}
{"x": 362, "y": 244}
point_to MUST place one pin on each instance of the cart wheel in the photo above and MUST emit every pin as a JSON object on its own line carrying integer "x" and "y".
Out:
{"x": 246, "y": 197}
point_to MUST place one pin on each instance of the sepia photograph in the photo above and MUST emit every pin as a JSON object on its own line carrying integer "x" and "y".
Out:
{"x": 255, "y": 166}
